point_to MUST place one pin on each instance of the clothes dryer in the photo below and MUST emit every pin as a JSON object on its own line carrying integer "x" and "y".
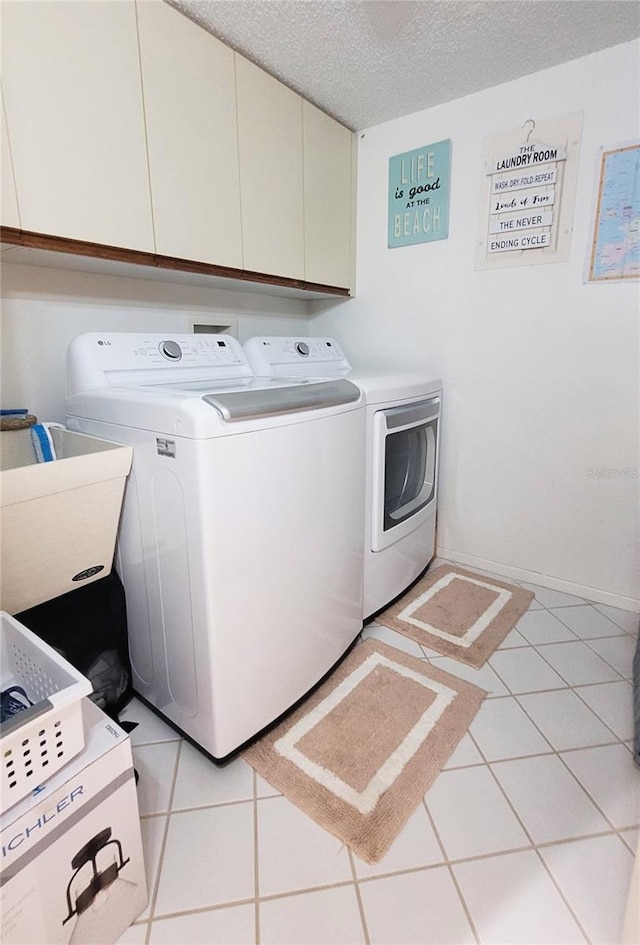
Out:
{"x": 240, "y": 545}
{"x": 403, "y": 416}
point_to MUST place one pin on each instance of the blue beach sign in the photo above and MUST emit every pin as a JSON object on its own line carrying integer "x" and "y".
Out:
{"x": 419, "y": 187}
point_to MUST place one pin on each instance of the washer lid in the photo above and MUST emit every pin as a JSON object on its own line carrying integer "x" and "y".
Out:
{"x": 260, "y": 401}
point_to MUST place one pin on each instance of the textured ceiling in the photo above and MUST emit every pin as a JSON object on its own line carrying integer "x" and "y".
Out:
{"x": 368, "y": 61}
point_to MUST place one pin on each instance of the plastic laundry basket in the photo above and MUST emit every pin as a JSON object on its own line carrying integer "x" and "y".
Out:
{"x": 38, "y": 741}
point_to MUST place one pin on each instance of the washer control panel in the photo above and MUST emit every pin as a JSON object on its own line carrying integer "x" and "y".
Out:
{"x": 274, "y": 355}
{"x": 104, "y": 359}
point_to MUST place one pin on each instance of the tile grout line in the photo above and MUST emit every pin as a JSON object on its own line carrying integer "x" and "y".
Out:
{"x": 454, "y": 878}
{"x": 630, "y": 844}
{"x": 342, "y": 884}
{"x": 621, "y": 630}
{"x": 356, "y": 883}
{"x": 571, "y": 688}
{"x": 199, "y": 910}
{"x": 615, "y": 738}
{"x": 616, "y": 637}
{"x": 534, "y": 844}
{"x": 557, "y": 752}
{"x": 159, "y": 741}
{"x": 584, "y": 643}
{"x": 445, "y": 861}
{"x": 615, "y": 831}
{"x": 256, "y": 869}
{"x": 590, "y": 796}
{"x": 564, "y": 898}
{"x": 615, "y": 682}
{"x": 153, "y": 898}
{"x": 598, "y": 605}
{"x": 604, "y": 616}
{"x": 569, "y": 684}
{"x": 197, "y": 807}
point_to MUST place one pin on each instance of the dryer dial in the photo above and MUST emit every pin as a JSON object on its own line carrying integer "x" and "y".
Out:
{"x": 302, "y": 348}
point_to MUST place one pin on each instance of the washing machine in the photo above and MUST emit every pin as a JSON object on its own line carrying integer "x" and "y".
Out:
{"x": 403, "y": 415}
{"x": 240, "y": 543}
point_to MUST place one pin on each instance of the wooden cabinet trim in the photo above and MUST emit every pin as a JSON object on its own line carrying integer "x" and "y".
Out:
{"x": 59, "y": 244}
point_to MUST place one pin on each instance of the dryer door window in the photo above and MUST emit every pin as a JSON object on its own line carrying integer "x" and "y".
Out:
{"x": 405, "y": 461}
{"x": 410, "y": 465}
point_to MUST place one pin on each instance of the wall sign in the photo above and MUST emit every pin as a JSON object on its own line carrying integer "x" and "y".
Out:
{"x": 515, "y": 206}
{"x": 419, "y": 187}
{"x": 615, "y": 248}
{"x": 529, "y": 193}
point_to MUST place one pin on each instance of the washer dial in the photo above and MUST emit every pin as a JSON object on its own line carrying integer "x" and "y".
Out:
{"x": 170, "y": 350}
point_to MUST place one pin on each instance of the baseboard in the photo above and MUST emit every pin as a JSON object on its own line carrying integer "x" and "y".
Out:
{"x": 544, "y": 580}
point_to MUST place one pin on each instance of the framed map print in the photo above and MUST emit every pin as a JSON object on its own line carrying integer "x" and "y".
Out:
{"x": 615, "y": 248}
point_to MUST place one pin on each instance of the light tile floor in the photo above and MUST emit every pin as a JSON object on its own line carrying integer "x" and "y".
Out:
{"x": 527, "y": 835}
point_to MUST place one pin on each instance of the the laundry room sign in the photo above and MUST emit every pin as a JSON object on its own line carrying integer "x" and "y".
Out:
{"x": 419, "y": 187}
{"x": 523, "y": 188}
{"x": 528, "y": 193}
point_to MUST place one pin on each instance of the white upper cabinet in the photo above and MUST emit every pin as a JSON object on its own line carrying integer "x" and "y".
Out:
{"x": 9, "y": 215}
{"x": 271, "y": 188}
{"x": 188, "y": 80}
{"x": 126, "y": 124}
{"x": 71, "y": 79}
{"x": 328, "y": 198}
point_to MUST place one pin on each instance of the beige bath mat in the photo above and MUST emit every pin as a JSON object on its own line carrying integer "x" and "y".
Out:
{"x": 458, "y": 613}
{"x": 359, "y": 754}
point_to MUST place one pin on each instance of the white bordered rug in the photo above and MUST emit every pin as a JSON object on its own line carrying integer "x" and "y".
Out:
{"x": 458, "y": 613}
{"x": 359, "y": 754}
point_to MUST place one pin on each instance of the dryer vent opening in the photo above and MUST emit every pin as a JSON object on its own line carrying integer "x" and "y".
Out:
{"x": 211, "y": 325}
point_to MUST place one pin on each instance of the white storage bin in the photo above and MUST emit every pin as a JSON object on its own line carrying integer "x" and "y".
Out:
{"x": 37, "y": 742}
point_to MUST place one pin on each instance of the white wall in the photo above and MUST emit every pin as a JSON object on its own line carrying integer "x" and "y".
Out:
{"x": 43, "y": 309}
{"x": 540, "y": 370}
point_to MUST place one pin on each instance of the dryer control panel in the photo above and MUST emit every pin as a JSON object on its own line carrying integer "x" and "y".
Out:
{"x": 309, "y": 357}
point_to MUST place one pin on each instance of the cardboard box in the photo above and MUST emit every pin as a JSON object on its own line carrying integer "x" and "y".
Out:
{"x": 72, "y": 866}
{"x": 58, "y": 520}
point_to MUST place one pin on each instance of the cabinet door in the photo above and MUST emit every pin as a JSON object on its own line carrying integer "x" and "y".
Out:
{"x": 190, "y": 109}
{"x": 9, "y": 215}
{"x": 71, "y": 78}
{"x": 328, "y": 206}
{"x": 270, "y": 142}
